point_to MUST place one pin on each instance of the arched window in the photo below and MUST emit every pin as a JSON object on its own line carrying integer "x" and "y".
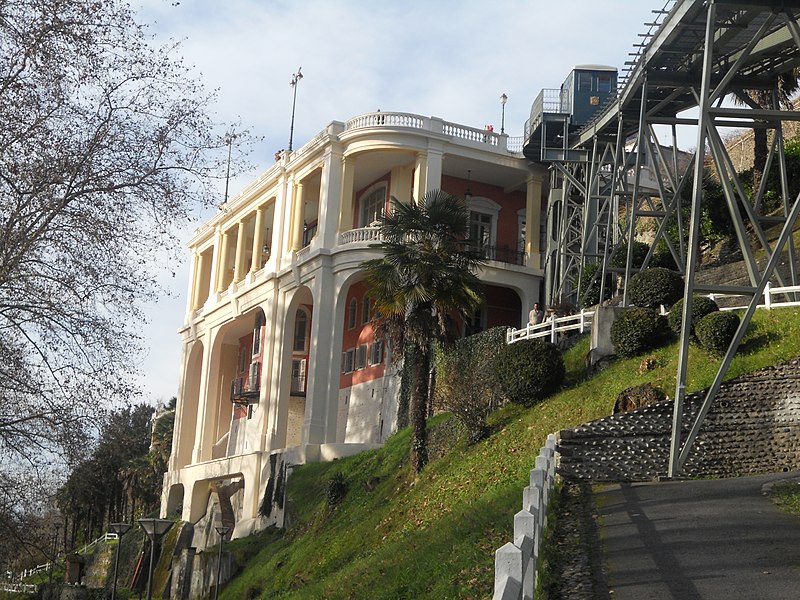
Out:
{"x": 372, "y": 205}
{"x": 300, "y": 331}
{"x": 352, "y": 313}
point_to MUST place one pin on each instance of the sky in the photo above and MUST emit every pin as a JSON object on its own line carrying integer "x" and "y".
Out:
{"x": 446, "y": 58}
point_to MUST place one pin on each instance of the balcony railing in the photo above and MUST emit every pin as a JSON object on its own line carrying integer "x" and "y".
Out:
{"x": 245, "y": 390}
{"x": 502, "y": 254}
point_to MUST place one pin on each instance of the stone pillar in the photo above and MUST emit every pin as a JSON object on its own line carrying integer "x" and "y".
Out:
{"x": 346, "y": 194}
{"x": 433, "y": 172}
{"x": 258, "y": 240}
{"x": 297, "y": 217}
{"x": 195, "y": 281}
{"x": 238, "y": 267}
{"x": 533, "y": 221}
{"x": 330, "y": 191}
{"x": 320, "y": 408}
{"x": 222, "y": 259}
{"x": 420, "y": 175}
{"x": 212, "y": 280}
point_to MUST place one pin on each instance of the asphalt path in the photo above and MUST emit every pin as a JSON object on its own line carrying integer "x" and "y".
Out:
{"x": 705, "y": 539}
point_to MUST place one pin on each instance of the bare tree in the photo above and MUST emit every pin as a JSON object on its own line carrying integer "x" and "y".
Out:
{"x": 105, "y": 145}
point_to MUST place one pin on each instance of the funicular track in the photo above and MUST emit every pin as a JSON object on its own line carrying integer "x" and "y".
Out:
{"x": 695, "y": 57}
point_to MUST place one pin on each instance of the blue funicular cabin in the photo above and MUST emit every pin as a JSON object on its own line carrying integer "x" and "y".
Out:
{"x": 556, "y": 113}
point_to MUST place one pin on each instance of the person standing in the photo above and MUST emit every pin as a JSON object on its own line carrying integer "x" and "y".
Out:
{"x": 536, "y": 315}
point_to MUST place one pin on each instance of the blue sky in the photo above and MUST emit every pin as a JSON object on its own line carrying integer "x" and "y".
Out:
{"x": 446, "y": 58}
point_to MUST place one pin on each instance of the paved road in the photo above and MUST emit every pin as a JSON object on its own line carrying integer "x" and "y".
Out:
{"x": 689, "y": 540}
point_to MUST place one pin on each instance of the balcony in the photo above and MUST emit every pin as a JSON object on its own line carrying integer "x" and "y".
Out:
{"x": 362, "y": 234}
{"x": 246, "y": 390}
{"x": 503, "y": 254}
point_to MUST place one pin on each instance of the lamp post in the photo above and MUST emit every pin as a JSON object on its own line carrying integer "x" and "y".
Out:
{"x": 120, "y": 529}
{"x": 155, "y": 530}
{"x": 503, "y": 100}
{"x": 222, "y": 530}
{"x": 296, "y": 77}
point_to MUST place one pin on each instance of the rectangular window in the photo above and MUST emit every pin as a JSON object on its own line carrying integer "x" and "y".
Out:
{"x": 298, "y": 375}
{"x": 376, "y": 352}
{"x": 585, "y": 82}
{"x": 348, "y": 357}
{"x": 365, "y": 310}
{"x": 361, "y": 357}
{"x": 604, "y": 83}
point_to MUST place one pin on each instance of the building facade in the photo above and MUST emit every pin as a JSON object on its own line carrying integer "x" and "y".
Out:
{"x": 280, "y": 365}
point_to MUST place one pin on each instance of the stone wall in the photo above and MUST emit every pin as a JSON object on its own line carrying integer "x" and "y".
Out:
{"x": 753, "y": 427}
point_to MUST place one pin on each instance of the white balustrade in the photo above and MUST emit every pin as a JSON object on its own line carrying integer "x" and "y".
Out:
{"x": 362, "y": 234}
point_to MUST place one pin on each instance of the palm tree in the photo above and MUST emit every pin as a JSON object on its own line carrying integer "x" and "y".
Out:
{"x": 424, "y": 280}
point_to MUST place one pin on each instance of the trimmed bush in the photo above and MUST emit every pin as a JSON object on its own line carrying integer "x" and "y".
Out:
{"x": 529, "y": 371}
{"x": 620, "y": 255}
{"x": 662, "y": 257}
{"x": 715, "y": 331}
{"x": 465, "y": 381}
{"x": 652, "y": 287}
{"x": 638, "y": 330}
{"x": 701, "y": 306}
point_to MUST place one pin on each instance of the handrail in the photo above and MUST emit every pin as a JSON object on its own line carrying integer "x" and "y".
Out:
{"x": 581, "y": 322}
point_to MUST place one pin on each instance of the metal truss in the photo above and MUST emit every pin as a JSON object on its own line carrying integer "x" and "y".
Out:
{"x": 703, "y": 52}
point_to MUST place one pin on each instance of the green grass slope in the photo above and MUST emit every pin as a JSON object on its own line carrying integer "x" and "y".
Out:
{"x": 394, "y": 536}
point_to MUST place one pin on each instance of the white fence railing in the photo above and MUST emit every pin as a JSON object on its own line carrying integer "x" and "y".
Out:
{"x": 515, "y": 563}
{"x": 581, "y": 322}
{"x": 82, "y": 550}
{"x": 25, "y": 588}
{"x": 769, "y": 302}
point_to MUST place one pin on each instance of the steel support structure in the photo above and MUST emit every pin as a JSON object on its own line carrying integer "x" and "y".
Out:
{"x": 713, "y": 87}
{"x": 702, "y": 53}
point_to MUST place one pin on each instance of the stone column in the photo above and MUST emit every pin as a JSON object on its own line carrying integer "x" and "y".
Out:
{"x": 297, "y": 217}
{"x": 238, "y": 267}
{"x": 258, "y": 240}
{"x": 197, "y": 292}
{"x": 420, "y": 175}
{"x": 433, "y": 171}
{"x": 222, "y": 259}
{"x": 533, "y": 221}
{"x": 346, "y": 194}
{"x": 212, "y": 280}
{"x": 329, "y": 200}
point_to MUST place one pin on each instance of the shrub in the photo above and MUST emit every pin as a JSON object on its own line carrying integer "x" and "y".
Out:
{"x": 465, "y": 380}
{"x": 652, "y": 287}
{"x": 637, "y": 330}
{"x": 715, "y": 331}
{"x": 662, "y": 257}
{"x": 620, "y": 255}
{"x": 529, "y": 370}
{"x": 701, "y": 306}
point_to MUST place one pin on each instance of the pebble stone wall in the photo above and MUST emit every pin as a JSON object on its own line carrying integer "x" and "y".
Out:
{"x": 753, "y": 427}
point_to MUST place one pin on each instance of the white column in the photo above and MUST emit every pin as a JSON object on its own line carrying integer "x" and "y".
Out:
{"x": 258, "y": 240}
{"x": 206, "y": 416}
{"x": 320, "y": 408}
{"x": 330, "y": 191}
{"x": 433, "y": 172}
{"x": 298, "y": 208}
{"x": 533, "y": 221}
{"x": 212, "y": 280}
{"x": 346, "y": 194}
{"x": 222, "y": 260}
{"x": 420, "y": 175}
{"x": 238, "y": 267}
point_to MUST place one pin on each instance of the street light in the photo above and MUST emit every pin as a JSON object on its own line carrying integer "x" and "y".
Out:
{"x": 296, "y": 77}
{"x": 155, "y": 530}
{"x": 222, "y": 530}
{"x": 120, "y": 529}
{"x": 503, "y": 100}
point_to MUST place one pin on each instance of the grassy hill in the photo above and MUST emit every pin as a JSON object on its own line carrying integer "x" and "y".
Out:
{"x": 393, "y": 536}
